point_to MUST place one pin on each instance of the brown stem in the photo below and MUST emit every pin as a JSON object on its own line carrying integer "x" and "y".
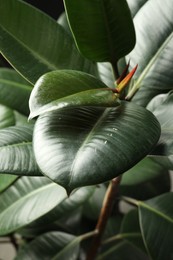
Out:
{"x": 103, "y": 218}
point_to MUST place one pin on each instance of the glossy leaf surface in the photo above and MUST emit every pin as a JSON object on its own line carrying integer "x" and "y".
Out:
{"x": 64, "y": 88}
{"x": 16, "y": 151}
{"x": 154, "y": 74}
{"x": 85, "y": 146}
{"x": 108, "y": 34}
{"x": 156, "y": 222}
{"x": 34, "y": 43}
{"x": 15, "y": 91}
{"x": 48, "y": 246}
{"x": 26, "y": 200}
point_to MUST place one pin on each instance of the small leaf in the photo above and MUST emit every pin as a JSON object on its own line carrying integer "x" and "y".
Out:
{"x": 70, "y": 144}
{"x": 108, "y": 34}
{"x": 69, "y": 88}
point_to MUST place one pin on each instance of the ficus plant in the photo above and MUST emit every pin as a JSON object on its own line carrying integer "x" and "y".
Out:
{"x": 86, "y": 122}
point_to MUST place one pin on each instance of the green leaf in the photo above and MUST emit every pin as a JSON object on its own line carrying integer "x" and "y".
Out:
{"x": 16, "y": 151}
{"x": 122, "y": 250}
{"x": 92, "y": 207}
{"x": 130, "y": 229}
{"x": 15, "y": 91}
{"x": 65, "y": 208}
{"x": 143, "y": 180}
{"x": 103, "y": 30}
{"x": 69, "y": 88}
{"x": 35, "y": 44}
{"x": 86, "y": 146}
{"x": 6, "y": 180}
{"x": 26, "y": 200}
{"x": 162, "y": 108}
{"x": 154, "y": 75}
{"x": 7, "y": 117}
{"x": 48, "y": 246}
{"x": 156, "y": 222}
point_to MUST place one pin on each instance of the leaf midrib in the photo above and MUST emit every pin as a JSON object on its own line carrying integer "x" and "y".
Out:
{"x": 153, "y": 210}
{"x": 152, "y": 61}
{"x": 71, "y": 174}
{"x": 12, "y": 83}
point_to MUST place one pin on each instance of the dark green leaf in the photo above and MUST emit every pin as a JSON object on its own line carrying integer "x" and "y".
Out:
{"x": 26, "y": 200}
{"x": 130, "y": 229}
{"x": 154, "y": 57}
{"x": 15, "y": 91}
{"x": 34, "y": 43}
{"x": 93, "y": 206}
{"x": 156, "y": 222}
{"x": 85, "y": 146}
{"x": 121, "y": 251}
{"x": 143, "y": 180}
{"x": 16, "y": 151}
{"x": 69, "y": 88}
{"x": 103, "y": 30}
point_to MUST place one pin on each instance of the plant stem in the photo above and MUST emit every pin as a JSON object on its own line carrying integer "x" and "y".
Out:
{"x": 115, "y": 70}
{"x": 107, "y": 206}
{"x": 14, "y": 242}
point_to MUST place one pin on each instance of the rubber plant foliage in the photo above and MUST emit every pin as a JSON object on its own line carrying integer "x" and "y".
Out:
{"x": 76, "y": 137}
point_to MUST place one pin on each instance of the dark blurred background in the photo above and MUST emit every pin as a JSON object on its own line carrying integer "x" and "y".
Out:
{"x": 52, "y": 7}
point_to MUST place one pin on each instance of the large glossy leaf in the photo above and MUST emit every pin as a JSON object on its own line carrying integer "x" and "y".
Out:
{"x": 156, "y": 222}
{"x": 7, "y": 117}
{"x": 162, "y": 107}
{"x": 16, "y": 151}
{"x": 69, "y": 88}
{"x": 34, "y": 43}
{"x": 85, "y": 146}
{"x": 14, "y": 91}
{"x": 103, "y": 30}
{"x": 48, "y": 246}
{"x": 143, "y": 180}
{"x": 154, "y": 75}
{"x": 25, "y": 201}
